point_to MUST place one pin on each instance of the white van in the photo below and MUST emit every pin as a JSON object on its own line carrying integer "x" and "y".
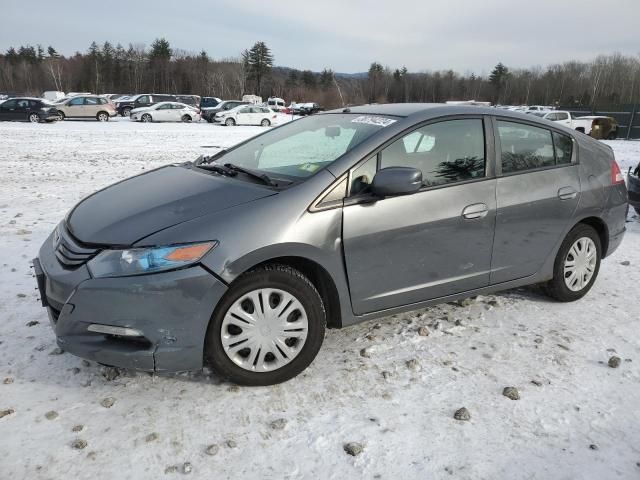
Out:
{"x": 253, "y": 99}
{"x": 276, "y": 104}
{"x": 53, "y": 95}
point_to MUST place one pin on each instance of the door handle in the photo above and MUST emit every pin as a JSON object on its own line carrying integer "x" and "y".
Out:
{"x": 567, "y": 193}
{"x": 476, "y": 210}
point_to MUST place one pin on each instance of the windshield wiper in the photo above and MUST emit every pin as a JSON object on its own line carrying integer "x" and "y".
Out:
{"x": 216, "y": 167}
{"x": 263, "y": 177}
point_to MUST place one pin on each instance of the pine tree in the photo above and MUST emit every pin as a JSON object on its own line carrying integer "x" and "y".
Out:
{"x": 259, "y": 61}
{"x": 498, "y": 79}
{"x": 308, "y": 79}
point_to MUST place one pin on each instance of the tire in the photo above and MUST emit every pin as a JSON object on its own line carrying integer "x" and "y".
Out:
{"x": 265, "y": 123}
{"x": 229, "y": 122}
{"x": 146, "y": 118}
{"x": 60, "y": 115}
{"x": 558, "y": 287}
{"x": 34, "y": 118}
{"x": 102, "y": 117}
{"x": 209, "y": 119}
{"x": 285, "y": 284}
{"x": 186, "y": 119}
{"x": 126, "y": 112}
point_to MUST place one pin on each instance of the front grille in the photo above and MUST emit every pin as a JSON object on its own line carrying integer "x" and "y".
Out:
{"x": 70, "y": 253}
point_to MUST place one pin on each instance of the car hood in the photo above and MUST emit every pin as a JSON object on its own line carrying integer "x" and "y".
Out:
{"x": 128, "y": 211}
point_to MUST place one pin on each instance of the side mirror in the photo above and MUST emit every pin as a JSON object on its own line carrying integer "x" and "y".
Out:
{"x": 392, "y": 181}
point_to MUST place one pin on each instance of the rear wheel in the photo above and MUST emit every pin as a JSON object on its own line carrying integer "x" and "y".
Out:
{"x": 265, "y": 123}
{"x": 577, "y": 264}
{"x": 267, "y": 328}
{"x": 34, "y": 118}
{"x": 146, "y": 118}
{"x": 60, "y": 115}
{"x": 186, "y": 118}
{"x": 229, "y": 122}
{"x": 102, "y": 117}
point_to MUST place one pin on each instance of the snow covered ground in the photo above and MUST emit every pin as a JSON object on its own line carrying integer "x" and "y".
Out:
{"x": 380, "y": 384}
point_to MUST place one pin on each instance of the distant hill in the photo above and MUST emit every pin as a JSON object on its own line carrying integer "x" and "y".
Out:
{"x": 357, "y": 75}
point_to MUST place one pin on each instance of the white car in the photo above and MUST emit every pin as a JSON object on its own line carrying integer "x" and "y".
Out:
{"x": 247, "y": 115}
{"x": 166, "y": 112}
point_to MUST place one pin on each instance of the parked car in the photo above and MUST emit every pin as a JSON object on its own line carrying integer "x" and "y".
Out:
{"x": 209, "y": 113}
{"x": 308, "y": 108}
{"x": 538, "y": 108}
{"x": 166, "y": 112}
{"x": 91, "y": 106}
{"x": 27, "y": 109}
{"x": 333, "y": 219}
{"x": 276, "y": 104}
{"x": 601, "y": 127}
{"x": 633, "y": 185}
{"x": 193, "y": 100}
{"x": 247, "y": 115}
{"x": 209, "y": 102}
{"x": 116, "y": 96}
{"x": 125, "y": 105}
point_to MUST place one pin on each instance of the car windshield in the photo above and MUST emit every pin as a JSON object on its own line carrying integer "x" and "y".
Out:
{"x": 303, "y": 147}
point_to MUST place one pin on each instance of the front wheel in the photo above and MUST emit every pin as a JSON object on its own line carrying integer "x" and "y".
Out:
{"x": 229, "y": 122}
{"x": 146, "y": 118}
{"x": 60, "y": 115}
{"x": 126, "y": 112}
{"x": 265, "y": 123}
{"x": 576, "y": 265}
{"x": 267, "y": 328}
{"x": 34, "y": 118}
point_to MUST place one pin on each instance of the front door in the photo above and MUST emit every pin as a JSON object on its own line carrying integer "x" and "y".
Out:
{"x": 433, "y": 243}
{"x": 9, "y": 110}
{"x": 538, "y": 192}
{"x": 75, "y": 107}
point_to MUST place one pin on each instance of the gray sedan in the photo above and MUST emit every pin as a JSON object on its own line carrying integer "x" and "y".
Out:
{"x": 242, "y": 259}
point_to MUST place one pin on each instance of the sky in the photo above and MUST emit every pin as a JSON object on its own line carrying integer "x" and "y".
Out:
{"x": 345, "y": 35}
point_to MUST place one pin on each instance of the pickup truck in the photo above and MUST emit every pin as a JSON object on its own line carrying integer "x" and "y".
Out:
{"x": 596, "y": 126}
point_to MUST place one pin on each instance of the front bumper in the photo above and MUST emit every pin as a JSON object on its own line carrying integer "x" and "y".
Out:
{"x": 171, "y": 309}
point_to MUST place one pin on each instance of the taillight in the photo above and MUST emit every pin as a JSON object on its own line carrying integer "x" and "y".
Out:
{"x": 616, "y": 174}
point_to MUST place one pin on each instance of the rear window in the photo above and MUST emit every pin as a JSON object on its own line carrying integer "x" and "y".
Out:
{"x": 525, "y": 147}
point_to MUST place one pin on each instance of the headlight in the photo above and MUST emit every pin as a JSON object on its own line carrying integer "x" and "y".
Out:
{"x": 136, "y": 261}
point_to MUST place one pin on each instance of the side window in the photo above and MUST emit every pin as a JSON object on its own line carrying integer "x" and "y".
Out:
{"x": 552, "y": 116}
{"x": 229, "y": 106}
{"x": 564, "y": 148}
{"x": 77, "y": 101}
{"x": 445, "y": 152}
{"x": 9, "y": 104}
{"x": 362, "y": 176}
{"x": 90, "y": 101}
{"x": 144, "y": 99}
{"x": 166, "y": 106}
{"x": 245, "y": 110}
{"x": 524, "y": 147}
{"x": 562, "y": 116}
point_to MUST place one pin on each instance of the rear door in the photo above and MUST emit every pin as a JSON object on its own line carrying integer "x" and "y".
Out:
{"x": 91, "y": 107}
{"x": 432, "y": 243}
{"x": 537, "y": 193}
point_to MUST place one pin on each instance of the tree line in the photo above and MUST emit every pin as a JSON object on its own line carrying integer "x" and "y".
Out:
{"x": 160, "y": 68}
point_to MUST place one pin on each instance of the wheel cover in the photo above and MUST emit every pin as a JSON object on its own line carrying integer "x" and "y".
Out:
{"x": 580, "y": 264}
{"x": 102, "y": 117}
{"x": 33, "y": 118}
{"x": 264, "y": 330}
{"x": 146, "y": 117}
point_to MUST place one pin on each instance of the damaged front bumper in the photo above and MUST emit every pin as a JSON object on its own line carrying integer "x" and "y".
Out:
{"x": 158, "y": 321}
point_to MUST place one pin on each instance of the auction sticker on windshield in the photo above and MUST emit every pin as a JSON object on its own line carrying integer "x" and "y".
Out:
{"x": 373, "y": 120}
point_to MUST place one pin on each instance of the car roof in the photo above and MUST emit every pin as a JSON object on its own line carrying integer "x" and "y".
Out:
{"x": 27, "y": 98}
